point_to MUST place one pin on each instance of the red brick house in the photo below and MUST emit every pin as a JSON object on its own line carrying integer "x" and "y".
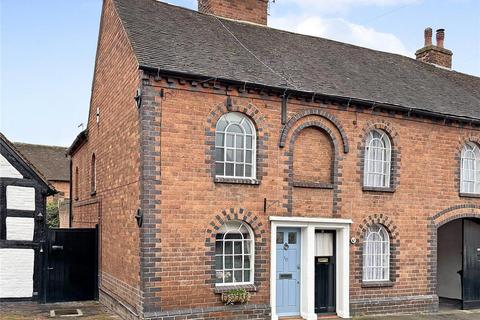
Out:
{"x": 319, "y": 176}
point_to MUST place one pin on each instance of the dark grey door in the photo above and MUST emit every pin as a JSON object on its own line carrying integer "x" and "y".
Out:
{"x": 471, "y": 263}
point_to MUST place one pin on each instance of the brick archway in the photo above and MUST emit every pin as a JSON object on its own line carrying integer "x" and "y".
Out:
{"x": 468, "y": 210}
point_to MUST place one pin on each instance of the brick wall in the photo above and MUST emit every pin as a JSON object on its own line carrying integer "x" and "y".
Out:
{"x": 115, "y": 143}
{"x": 246, "y": 10}
{"x": 190, "y": 199}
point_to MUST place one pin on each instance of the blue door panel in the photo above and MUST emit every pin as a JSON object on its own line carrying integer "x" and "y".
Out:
{"x": 288, "y": 271}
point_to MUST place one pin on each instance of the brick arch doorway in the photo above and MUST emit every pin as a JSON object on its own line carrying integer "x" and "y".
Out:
{"x": 458, "y": 263}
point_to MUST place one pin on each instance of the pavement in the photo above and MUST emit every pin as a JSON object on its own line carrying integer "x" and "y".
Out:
{"x": 90, "y": 310}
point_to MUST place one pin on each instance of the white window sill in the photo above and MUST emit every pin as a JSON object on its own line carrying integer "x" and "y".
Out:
{"x": 469, "y": 195}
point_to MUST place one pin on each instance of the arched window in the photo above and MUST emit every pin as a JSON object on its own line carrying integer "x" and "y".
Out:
{"x": 234, "y": 254}
{"x": 235, "y": 146}
{"x": 376, "y": 254}
{"x": 93, "y": 175}
{"x": 470, "y": 172}
{"x": 378, "y": 156}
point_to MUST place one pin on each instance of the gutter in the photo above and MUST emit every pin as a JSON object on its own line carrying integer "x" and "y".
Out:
{"x": 336, "y": 98}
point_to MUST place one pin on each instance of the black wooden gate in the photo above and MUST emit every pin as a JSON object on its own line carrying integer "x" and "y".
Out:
{"x": 471, "y": 263}
{"x": 72, "y": 265}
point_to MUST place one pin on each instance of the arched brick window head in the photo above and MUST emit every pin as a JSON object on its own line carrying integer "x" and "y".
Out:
{"x": 378, "y": 158}
{"x": 376, "y": 254}
{"x": 93, "y": 175}
{"x": 234, "y": 254}
{"x": 470, "y": 169}
{"x": 235, "y": 147}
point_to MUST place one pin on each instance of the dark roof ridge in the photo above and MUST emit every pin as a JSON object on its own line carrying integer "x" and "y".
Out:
{"x": 39, "y": 145}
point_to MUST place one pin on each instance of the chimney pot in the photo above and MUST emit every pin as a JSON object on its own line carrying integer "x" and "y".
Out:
{"x": 428, "y": 37}
{"x": 440, "y": 37}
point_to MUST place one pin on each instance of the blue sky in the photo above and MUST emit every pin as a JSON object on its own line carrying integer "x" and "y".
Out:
{"x": 47, "y": 49}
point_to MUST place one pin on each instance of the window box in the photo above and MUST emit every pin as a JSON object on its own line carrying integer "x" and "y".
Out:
{"x": 235, "y": 296}
{"x": 246, "y": 287}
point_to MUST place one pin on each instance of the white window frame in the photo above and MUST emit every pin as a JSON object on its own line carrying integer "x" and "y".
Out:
{"x": 229, "y": 227}
{"x": 378, "y": 159}
{"x": 244, "y": 121}
{"x": 376, "y": 254}
{"x": 470, "y": 169}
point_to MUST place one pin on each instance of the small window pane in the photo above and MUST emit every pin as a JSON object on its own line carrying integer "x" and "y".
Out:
{"x": 219, "y": 154}
{"x": 249, "y": 142}
{"x": 230, "y": 153}
{"x": 238, "y": 276}
{"x": 219, "y": 139}
{"x": 248, "y": 158}
{"x": 246, "y": 276}
{"x": 248, "y": 170}
{"x": 246, "y": 261}
{"x": 228, "y": 262}
{"x": 247, "y": 246}
{"x": 239, "y": 170}
{"x": 229, "y": 169}
{"x": 221, "y": 124}
{"x": 239, "y": 141}
{"x": 230, "y": 140}
{"x": 235, "y": 128}
{"x": 228, "y": 277}
{"x": 219, "y": 167}
{"x": 279, "y": 237}
{"x": 292, "y": 238}
{"x": 237, "y": 247}
{"x": 247, "y": 128}
{"x": 237, "y": 262}
{"x": 228, "y": 247}
{"x": 239, "y": 156}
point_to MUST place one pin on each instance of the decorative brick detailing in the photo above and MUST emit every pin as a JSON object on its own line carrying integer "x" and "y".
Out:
{"x": 150, "y": 140}
{"x": 261, "y": 240}
{"x": 386, "y": 127}
{"x": 261, "y": 127}
{"x": 120, "y": 296}
{"x": 289, "y": 153}
{"x": 305, "y": 113}
{"x": 394, "y": 305}
{"x": 240, "y": 312}
{"x": 394, "y": 235}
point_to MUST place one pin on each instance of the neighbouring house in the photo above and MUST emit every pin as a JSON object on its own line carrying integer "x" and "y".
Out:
{"x": 23, "y": 232}
{"x": 318, "y": 176}
{"x": 54, "y": 165}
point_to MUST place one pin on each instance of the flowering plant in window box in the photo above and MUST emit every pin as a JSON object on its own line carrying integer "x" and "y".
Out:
{"x": 235, "y": 296}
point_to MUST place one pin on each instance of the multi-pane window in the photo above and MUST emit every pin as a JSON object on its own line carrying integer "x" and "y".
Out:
{"x": 234, "y": 254}
{"x": 376, "y": 254}
{"x": 378, "y": 154}
{"x": 470, "y": 173}
{"x": 235, "y": 146}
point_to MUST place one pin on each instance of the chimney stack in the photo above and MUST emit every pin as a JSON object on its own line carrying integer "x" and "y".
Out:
{"x": 435, "y": 54}
{"x": 254, "y": 11}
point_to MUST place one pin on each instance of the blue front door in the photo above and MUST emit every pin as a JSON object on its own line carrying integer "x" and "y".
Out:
{"x": 288, "y": 271}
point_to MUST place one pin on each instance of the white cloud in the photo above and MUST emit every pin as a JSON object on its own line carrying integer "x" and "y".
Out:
{"x": 329, "y": 6}
{"x": 341, "y": 30}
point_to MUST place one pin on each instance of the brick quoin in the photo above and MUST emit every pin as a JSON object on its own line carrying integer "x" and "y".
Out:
{"x": 159, "y": 158}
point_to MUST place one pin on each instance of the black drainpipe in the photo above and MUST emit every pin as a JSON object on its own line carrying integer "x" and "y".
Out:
{"x": 71, "y": 198}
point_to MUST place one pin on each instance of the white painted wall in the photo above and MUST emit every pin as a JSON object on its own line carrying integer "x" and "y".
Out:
{"x": 21, "y": 198}
{"x": 449, "y": 260}
{"x": 16, "y": 273}
{"x": 20, "y": 228}
{"x": 7, "y": 170}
